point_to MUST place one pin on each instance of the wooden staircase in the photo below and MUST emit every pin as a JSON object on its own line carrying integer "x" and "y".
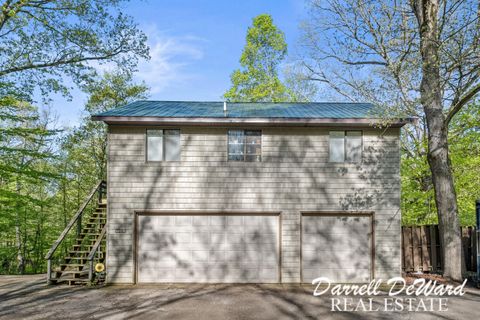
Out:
{"x": 84, "y": 248}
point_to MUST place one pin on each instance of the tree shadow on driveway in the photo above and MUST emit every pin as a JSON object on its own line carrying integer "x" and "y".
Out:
{"x": 30, "y": 298}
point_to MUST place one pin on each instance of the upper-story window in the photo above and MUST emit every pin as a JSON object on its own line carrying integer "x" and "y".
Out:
{"x": 163, "y": 145}
{"x": 345, "y": 146}
{"x": 245, "y": 145}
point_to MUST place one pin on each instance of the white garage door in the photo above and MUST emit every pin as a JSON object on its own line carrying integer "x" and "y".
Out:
{"x": 207, "y": 248}
{"x": 336, "y": 247}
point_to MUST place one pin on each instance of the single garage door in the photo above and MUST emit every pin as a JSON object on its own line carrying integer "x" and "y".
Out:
{"x": 207, "y": 248}
{"x": 337, "y": 247}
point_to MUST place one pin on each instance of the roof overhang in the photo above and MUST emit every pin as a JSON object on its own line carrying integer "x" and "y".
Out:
{"x": 297, "y": 122}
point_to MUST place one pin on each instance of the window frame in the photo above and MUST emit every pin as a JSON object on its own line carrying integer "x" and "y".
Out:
{"x": 345, "y": 151}
{"x": 361, "y": 146}
{"x": 244, "y": 145}
{"x": 163, "y": 145}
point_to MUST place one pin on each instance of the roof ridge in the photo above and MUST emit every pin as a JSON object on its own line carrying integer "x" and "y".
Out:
{"x": 250, "y": 102}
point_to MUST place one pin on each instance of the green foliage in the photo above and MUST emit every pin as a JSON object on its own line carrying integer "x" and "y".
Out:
{"x": 418, "y": 204}
{"x": 86, "y": 145}
{"x": 464, "y": 137}
{"x": 26, "y": 174}
{"x": 45, "y": 174}
{"x": 264, "y": 50}
{"x": 41, "y": 42}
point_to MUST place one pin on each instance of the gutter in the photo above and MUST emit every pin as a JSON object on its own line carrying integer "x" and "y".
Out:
{"x": 299, "y": 122}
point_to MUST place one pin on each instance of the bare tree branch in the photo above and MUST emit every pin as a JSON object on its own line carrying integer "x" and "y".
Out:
{"x": 467, "y": 97}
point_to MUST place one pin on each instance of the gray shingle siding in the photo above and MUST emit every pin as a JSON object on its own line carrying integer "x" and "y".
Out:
{"x": 294, "y": 176}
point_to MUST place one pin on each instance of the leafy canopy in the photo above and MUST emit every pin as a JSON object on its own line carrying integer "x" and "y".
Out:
{"x": 43, "y": 41}
{"x": 418, "y": 202}
{"x": 258, "y": 78}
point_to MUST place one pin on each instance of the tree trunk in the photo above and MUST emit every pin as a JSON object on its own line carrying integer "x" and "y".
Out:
{"x": 446, "y": 202}
{"x": 431, "y": 98}
{"x": 18, "y": 235}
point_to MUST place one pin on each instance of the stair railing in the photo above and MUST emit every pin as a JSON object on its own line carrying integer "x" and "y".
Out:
{"x": 100, "y": 188}
{"x": 94, "y": 250}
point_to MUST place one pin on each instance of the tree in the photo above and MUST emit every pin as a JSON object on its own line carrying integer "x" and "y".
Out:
{"x": 264, "y": 51}
{"x": 45, "y": 174}
{"x": 25, "y": 150}
{"x": 418, "y": 198}
{"x": 113, "y": 90}
{"x": 42, "y": 41}
{"x": 409, "y": 57}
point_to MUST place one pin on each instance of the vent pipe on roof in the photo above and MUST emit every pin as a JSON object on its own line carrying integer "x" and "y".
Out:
{"x": 224, "y": 106}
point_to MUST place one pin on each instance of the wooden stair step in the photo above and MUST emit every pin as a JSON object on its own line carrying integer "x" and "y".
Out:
{"x": 92, "y": 227}
{"x": 73, "y": 272}
{"x": 84, "y": 242}
{"x": 83, "y": 256}
{"x": 77, "y": 258}
{"x": 86, "y": 246}
{"x": 74, "y": 265}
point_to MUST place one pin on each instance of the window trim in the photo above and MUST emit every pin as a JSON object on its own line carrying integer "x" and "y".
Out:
{"x": 163, "y": 145}
{"x": 361, "y": 146}
{"x": 345, "y": 146}
{"x": 245, "y": 145}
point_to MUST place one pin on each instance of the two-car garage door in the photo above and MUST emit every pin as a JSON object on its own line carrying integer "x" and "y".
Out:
{"x": 207, "y": 248}
{"x": 245, "y": 248}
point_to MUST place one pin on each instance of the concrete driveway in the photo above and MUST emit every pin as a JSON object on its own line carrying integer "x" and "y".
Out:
{"x": 27, "y": 297}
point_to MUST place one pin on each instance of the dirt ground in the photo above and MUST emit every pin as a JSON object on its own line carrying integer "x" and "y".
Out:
{"x": 28, "y": 297}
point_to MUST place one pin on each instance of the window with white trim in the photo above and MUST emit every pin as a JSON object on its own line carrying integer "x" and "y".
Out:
{"x": 163, "y": 145}
{"x": 345, "y": 146}
{"x": 245, "y": 145}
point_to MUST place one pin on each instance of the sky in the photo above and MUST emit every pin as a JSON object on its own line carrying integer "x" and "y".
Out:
{"x": 194, "y": 46}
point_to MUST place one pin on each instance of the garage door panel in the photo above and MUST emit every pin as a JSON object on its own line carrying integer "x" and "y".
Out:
{"x": 200, "y": 255}
{"x": 201, "y": 221}
{"x": 235, "y": 221}
{"x": 183, "y": 221}
{"x": 156, "y": 241}
{"x": 358, "y": 225}
{"x": 183, "y": 237}
{"x": 333, "y": 244}
{"x": 201, "y": 238}
{"x": 342, "y": 275}
{"x": 341, "y": 258}
{"x": 337, "y": 247}
{"x": 209, "y": 249}
{"x": 218, "y": 221}
{"x": 260, "y": 237}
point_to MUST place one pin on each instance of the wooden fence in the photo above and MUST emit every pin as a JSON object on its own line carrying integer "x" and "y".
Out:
{"x": 421, "y": 249}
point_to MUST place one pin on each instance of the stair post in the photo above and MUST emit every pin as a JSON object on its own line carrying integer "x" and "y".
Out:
{"x": 49, "y": 271}
{"x": 79, "y": 226}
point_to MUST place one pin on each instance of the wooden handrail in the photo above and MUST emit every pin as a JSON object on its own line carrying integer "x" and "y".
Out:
{"x": 97, "y": 243}
{"x": 91, "y": 255}
{"x": 73, "y": 220}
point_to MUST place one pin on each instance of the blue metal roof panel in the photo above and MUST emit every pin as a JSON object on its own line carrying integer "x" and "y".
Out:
{"x": 192, "y": 109}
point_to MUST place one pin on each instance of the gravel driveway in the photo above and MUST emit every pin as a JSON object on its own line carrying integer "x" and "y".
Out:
{"x": 27, "y": 297}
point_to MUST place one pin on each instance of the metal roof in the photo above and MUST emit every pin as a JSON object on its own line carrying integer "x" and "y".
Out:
{"x": 194, "y": 109}
{"x": 245, "y": 113}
